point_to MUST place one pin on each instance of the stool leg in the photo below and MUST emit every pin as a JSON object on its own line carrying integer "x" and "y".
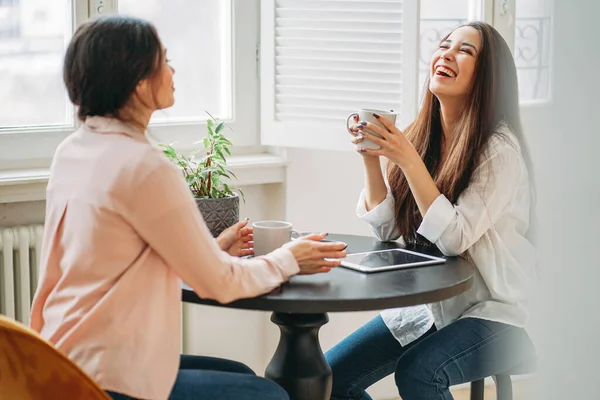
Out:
{"x": 504, "y": 387}
{"x": 477, "y": 389}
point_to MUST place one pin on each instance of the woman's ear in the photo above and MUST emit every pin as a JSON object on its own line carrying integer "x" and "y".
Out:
{"x": 142, "y": 88}
{"x": 143, "y": 94}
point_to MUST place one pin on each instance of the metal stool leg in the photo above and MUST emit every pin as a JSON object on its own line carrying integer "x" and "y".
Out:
{"x": 504, "y": 387}
{"x": 477, "y": 389}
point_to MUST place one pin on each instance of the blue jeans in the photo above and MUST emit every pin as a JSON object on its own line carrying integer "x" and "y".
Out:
{"x": 464, "y": 351}
{"x": 215, "y": 378}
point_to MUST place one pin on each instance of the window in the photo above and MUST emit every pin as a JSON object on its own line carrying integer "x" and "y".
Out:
{"x": 532, "y": 48}
{"x": 320, "y": 60}
{"x": 33, "y": 36}
{"x": 213, "y": 45}
{"x": 197, "y": 35}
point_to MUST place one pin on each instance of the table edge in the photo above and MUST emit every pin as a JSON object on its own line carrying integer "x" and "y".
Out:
{"x": 296, "y": 307}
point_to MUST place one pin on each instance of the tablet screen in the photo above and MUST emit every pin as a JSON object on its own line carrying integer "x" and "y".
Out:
{"x": 386, "y": 258}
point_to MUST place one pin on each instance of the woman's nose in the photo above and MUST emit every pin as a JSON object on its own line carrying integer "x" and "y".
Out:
{"x": 445, "y": 54}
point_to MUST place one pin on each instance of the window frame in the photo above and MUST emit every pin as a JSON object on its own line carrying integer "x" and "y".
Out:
{"x": 503, "y": 14}
{"x": 34, "y": 147}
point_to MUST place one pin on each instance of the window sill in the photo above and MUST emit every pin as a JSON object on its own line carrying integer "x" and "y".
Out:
{"x": 252, "y": 169}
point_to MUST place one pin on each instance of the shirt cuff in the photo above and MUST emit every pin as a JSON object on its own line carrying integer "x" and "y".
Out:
{"x": 436, "y": 219}
{"x": 285, "y": 260}
{"x": 383, "y": 213}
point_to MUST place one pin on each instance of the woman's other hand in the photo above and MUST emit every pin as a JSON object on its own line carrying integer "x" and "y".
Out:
{"x": 314, "y": 256}
{"x": 237, "y": 240}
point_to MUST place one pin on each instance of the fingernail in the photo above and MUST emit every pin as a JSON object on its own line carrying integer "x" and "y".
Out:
{"x": 246, "y": 219}
{"x": 363, "y": 123}
{"x": 376, "y": 115}
{"x": 345, "y": 247}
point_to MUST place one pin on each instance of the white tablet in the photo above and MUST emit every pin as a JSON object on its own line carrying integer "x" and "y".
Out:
{"x": 386, "y": 260}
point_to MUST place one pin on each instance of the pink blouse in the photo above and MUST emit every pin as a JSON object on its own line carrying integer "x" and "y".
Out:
{"x": 121, "y": 230}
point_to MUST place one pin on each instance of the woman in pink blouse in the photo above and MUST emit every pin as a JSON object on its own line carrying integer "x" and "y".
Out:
{"x": 122, "y": 230}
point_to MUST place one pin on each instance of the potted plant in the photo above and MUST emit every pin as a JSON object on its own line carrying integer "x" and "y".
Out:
{"x": 206, "y": 177}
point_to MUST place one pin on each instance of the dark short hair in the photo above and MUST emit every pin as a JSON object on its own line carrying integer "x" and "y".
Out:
{"x": 106, "y": 60}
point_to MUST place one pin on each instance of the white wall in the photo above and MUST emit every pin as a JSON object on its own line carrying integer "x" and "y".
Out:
{"x": 23, "y": 213}
{"x": 322, "y": 189}
{"x": 570, "y": 222}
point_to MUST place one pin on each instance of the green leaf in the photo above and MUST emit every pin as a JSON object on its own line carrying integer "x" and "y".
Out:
{"x": 242, "y": 194}
{"x": 221, "y": 167}
{"x": 169, "y": 151}
{"x": 206, "y": 142}
{"x": 227, "y": 189}
{"x": 211, "y": 116}
{"x": 202, "y": 175}
{"x": 220, "y": 154}
{"x": 232, "y": 174}
{"x": 220, "y": 127}
{"x": 202, "y": 161}
{"x": 213, "y": 169}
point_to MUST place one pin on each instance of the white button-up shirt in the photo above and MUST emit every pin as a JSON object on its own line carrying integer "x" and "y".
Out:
{"x": 488, "y": 226}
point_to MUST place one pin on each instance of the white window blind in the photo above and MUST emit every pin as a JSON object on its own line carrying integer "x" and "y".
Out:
{"x": 322, "y": 60}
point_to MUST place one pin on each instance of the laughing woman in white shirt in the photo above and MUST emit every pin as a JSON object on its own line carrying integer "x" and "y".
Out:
{"x": 457, "y": 179}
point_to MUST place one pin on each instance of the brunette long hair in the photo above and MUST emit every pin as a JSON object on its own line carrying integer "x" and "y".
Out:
{"x": 493, "y": 100}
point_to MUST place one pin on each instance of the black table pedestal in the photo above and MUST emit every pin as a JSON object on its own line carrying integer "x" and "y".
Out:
{"x": 298, "y": 364}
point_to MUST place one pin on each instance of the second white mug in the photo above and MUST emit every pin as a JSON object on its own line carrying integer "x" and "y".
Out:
{"x": 270, "y": 235}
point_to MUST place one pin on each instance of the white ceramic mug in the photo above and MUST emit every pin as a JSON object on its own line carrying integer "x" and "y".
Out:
{"x": 367, "y": 116}
{"x": 270, "y": 235}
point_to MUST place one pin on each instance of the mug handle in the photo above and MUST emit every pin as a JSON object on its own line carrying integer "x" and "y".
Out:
{"x": 298, "y": 234}
{"x": 348, "y": 121}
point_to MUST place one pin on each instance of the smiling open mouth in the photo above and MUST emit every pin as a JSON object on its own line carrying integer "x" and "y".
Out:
{"x": 446, "y": 72}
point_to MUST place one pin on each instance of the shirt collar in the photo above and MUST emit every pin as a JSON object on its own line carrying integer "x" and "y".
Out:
{"x": 101, "y": 124}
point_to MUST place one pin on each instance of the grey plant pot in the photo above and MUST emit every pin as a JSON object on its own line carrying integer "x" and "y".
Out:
{"x": 220, "y": 214}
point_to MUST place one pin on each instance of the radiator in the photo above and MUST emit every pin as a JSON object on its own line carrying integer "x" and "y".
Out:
{"x": 19, "y": 260}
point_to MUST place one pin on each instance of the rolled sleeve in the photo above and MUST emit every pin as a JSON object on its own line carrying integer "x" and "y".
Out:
{"x": 382, "y": 213}
{"x": 437, "y": 219}
{"x": 381, "y": 218}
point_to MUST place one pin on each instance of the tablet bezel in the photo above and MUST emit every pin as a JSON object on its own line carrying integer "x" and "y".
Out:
{"x": 357, "y": 267}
